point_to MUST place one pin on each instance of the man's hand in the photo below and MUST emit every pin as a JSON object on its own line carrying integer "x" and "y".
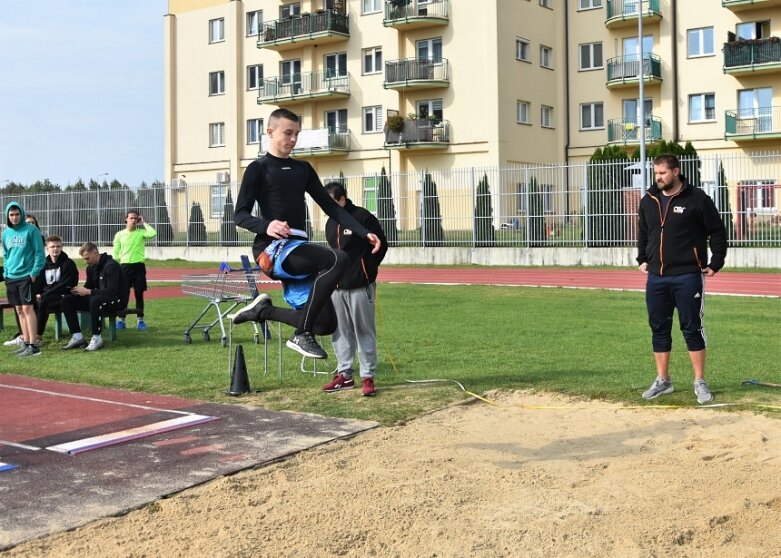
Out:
{"x": 81, "y": 291}
{"x": 374, "y": 240}
{"x": 278, "y": 229}
{"x": 708, "y": 272}
{"x": 643, "y": 267}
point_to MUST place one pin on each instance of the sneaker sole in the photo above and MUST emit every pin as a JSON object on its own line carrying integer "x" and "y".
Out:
{"x": 340, "y": 388}
{"x": 668, "y": 391}
{"x": 248, "y": 308}
{"x": 372, "y": 394}
{"x": 299, "y": 350}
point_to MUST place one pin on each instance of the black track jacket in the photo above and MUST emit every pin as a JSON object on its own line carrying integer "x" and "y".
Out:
{"x": 363, "y": 264}
{"x": 106, "y": 278}
{"x": 677, "y": 242}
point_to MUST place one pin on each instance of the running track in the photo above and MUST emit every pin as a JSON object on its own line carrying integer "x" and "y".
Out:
{"x": 728, "y": 283}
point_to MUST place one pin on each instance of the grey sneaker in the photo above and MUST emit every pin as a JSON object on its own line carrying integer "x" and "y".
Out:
{"x": 95, "y": 344}
{"x": 702, "y": 391}
{"x": 20, "y": 349}
{"x": 306, "y": 344}
{"x": 659, "y": 387}
{"x": 251, "y": 312}
{"x": 30, "y": 351}
{"x": 74, "y": 344}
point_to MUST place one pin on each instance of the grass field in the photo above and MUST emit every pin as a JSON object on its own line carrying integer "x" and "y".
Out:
{"x": 585, "y": 343}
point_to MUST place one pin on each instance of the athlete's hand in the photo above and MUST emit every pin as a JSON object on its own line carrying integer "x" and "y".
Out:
{"x": 278, "y": 229}
{"x": 374, "y": 240}
{"x": 708, "y": 272}
{"x": 643, "y": 267}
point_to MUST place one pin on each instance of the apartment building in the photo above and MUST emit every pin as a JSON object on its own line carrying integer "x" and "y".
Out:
{"x": 408, "y": 85}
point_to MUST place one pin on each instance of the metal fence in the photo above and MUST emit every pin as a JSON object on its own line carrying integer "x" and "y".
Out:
{"x": 577, "y": 205}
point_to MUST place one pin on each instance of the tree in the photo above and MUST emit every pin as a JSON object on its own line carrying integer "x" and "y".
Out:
{"x": 723, "y": 203}
{"x": 431, "y": 219}
{"x": 606, "y": 181}
{"x": 229, "y": 236}
{"x": 152, "y": 205}
{"x": 196, "y": 230}
{"x": 386, "y": 211}
{"x": 484, "y": 232}
{"x": 536, "y": 214}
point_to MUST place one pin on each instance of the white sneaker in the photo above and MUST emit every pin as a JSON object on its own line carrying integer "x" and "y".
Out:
{"x": 95, "y": 344}
{"x": 15, "y": 342}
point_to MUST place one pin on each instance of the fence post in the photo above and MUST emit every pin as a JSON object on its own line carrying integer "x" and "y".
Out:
{"x": 474, "y": 203}
{"x": 528, "y": 205}
{"x": 586, "y": 216}
{"x": 97, "y": 203}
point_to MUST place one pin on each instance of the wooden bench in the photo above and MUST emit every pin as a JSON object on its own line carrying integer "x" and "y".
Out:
{"x": 84, "y": 320}
{"x": 4, "y": 305}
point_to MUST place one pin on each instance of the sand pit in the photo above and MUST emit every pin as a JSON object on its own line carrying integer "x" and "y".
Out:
{"x": 578, "y": 479}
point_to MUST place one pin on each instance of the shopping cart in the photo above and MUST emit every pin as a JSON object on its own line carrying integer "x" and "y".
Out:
{"x": 224, "y": 292}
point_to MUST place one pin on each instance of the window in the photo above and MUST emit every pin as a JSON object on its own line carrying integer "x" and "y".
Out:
{"x": 702, "y": 107}
{"x": 700, "y": 42}
{"x": 336, "y": 65}
{"x": 372, "y": 119}
{"x": 216, "y": 83}
{"x": 254, "y": 77}
{"x": 290, "y": 71}
{"x": 254, "y": 23}
{"x": 254, "y": 130}
{"x": 546, "y": 57}
{"x": 592, "y": 116}
{"x": 372, "y": 60}
{"x": 289, "y": 10}
{"x": 371, "y": 6}
{"x": 589, "y": 4}
{"x": 217, "y": 134}
{"x": 522, "y": 50}
{"x": 522, "y": 112}
{"x": 370, "y": 189}
{"x": 430, "y": 49}
{"x": 546, "y": 116}
{"x": 753, "y": 30}
{"x": 217, "y": 195}
{"x": 755, "y": 109}
{"x": 336, "y": 120}
{"x": 590, "y": 56}
{"x": 430, "y": 109}
{"x": 216, "y": 30}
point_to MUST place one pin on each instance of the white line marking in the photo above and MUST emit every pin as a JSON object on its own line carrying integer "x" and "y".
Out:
{"x": 18, "y": 445}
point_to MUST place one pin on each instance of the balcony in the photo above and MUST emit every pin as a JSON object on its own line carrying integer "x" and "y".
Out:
{"x": 317, "y": 142}
{"x": 419, "y": 133}
{"x": 415, "y": 14}
{"x": 300, "y": 88}
{"x": 628, "y": 131}
{"x": 411, "y": 73}
{"x": 756, "y": 56}
{"x": 741, "y": 5}
{"x": 623, "y": 13}
{"x": 624, "y": 71}
{"x": 325, "y": 26}
{"x": 752, "y": 124}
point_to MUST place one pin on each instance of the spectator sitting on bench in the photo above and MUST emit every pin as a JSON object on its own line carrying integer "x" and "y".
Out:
{"x": 104, "y": 291}
{"x": 58, "y": 277}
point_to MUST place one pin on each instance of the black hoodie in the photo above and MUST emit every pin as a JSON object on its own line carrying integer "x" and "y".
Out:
{"x": 677, "y": 242}
{"x": 58, "y": 278}
{"x": 106, "y": 278}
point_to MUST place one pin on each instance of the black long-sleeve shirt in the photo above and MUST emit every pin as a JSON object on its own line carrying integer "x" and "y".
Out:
{"x": 278, "y": 186}
{"x": 363, "y": 264}
{"x": 676, "y": 241}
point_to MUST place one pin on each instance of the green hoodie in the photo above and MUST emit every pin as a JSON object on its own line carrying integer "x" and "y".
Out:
{"x": 22, "y": 247}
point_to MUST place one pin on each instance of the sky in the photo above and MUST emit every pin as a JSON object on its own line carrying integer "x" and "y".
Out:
{"x": 81, "y": 94}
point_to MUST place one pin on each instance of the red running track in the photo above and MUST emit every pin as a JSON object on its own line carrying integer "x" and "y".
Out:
{"x": 729, "y": 283}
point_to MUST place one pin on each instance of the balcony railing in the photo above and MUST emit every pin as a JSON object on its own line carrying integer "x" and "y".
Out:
{"x": 416, "y": 13}
{"x": 752, "y": 124}
{"x": 321, "y": 27}
{"x": 623, "y": 130}
{"x": 318, "y": 141}
{"x": 419, "y": 132}
{"x": 625, "y": 70}
{"x": 621, "y": 13}
{"x": 302, "y": 87}
{"x": 752, "y": 56}
{"x": 740, "y": 5}
{"x": 414, "y": 73}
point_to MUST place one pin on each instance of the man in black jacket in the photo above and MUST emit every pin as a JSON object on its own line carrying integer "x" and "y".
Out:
{"x": 104, "y": 290}
{"x": 58, "y": 276}
{"x": 677, "y": 221}
{"x": 355, "y": 295}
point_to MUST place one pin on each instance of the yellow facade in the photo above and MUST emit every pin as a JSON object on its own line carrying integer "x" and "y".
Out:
{"x": 479, "y": 86}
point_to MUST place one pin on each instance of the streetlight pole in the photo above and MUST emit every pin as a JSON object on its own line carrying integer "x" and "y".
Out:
{"x": 641, "y": 100}
{"x": 97, "y": 177}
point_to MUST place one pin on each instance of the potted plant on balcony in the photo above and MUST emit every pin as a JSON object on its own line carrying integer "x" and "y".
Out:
{"x": 394, "y": 125}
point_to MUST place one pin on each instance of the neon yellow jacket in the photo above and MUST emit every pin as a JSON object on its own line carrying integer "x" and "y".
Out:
{"x": 130, "y": 247}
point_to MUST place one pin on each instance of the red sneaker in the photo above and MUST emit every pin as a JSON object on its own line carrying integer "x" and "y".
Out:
{"x": 339, "y": 383}
{"x": 368, "y": 387}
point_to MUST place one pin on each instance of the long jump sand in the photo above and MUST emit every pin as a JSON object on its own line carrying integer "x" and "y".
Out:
{"x": 579, "y": 479}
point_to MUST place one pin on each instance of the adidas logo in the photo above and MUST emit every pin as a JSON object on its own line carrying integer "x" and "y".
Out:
{"x": 697, "y": 295}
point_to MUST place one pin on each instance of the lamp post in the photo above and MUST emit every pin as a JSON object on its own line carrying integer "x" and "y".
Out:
{"x": 641, "y": 100}
{"x": 101, "y": 174}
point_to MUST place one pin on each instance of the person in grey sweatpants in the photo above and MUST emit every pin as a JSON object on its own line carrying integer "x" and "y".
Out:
{"x": 355, "y": 296}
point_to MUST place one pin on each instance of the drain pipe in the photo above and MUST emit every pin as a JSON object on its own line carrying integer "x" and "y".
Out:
{"x": 676, "y": 119}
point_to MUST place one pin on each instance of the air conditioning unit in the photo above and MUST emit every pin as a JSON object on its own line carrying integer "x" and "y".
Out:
{"x": 178, "y": 184}
{"x": 223, "y": 177}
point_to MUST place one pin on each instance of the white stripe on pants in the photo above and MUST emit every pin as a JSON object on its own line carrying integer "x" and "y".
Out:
{"x": 356, "y": 329}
